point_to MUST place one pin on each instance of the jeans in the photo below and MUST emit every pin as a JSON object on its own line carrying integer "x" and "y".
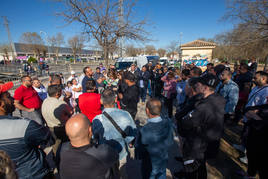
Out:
{"x": 158, "y": 174}
{"x": 149, "y": 88}
{"x": 143, "y": 92}
{"x": 153, "y": 173}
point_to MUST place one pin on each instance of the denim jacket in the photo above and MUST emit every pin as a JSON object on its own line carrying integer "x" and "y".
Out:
{"x": 104, "y": 130}
{"x": 230, "y": 92}
{"x": 180, "y": 88}
{"x": 152, "y": 144}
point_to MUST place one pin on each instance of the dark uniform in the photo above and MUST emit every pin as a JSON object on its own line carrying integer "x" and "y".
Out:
{"x": 201, "y": 129}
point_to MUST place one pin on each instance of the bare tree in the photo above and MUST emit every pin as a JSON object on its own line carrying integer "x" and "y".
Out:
{"x": 150, "y": 50}
{"x": 173, "y": 48}
{"x": 251, "y": 15}
{"x": 102, "y": 21}
{"x": 34, "y": 43}
{"x": 161, "y": 52}
{"x": 235, "y": 44}
{"x": 76, "y": 43}
{"x": 55, "y": 43}
{"x": 132, "y": 51}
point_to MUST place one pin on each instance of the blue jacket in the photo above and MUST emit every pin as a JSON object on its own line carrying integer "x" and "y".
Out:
{"x": 180, "y": 88}
{"x": 21, "y": 139}
{"x": 230, "y": 92}
{"x": 104, "y": 130}
{"x": 153, "y": 142}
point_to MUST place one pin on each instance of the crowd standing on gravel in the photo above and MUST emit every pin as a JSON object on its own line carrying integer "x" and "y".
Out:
{"x": 84, "y": 126}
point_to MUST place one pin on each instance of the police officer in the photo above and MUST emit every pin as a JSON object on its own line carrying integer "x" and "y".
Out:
{"x": 202, "y": 128}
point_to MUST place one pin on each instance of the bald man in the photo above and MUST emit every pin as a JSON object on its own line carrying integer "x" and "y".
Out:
{"x": 82, "y": 159}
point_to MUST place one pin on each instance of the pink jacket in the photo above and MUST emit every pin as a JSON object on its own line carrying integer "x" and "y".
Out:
{"x": 169, "y": 86}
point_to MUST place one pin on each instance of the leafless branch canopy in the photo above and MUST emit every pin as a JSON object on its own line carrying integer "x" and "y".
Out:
{"x": 102, "y": 21}
{"x": 76, "y": 43}
{"x": 34, "y": 43}
{"x": 249, "y": 38}
{"x": 56, "y": 42}
{"x": 250, "y": 13}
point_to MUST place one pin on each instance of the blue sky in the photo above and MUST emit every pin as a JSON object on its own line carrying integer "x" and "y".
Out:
{"x": 194, "y": 18}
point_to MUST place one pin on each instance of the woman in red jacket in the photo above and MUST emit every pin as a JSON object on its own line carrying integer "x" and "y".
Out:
{"x": 89, "y": 102}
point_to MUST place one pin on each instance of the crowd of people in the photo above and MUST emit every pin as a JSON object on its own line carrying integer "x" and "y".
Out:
{"x": 85, "y": 126}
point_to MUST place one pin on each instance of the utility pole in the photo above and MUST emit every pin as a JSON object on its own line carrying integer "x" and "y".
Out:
{"x": 9, "y": 37}
{"x": 180, "y": 52}
{"x": 48, "y": 54}
{"x": 121, "y": 23}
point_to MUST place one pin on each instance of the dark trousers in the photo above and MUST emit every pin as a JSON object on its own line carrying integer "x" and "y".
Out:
{"x": 200, "y": 173}
{"x": 257, "y": 153}
{"x": 143, "y": 92}
{"x": 169, "y": 105}
{"x": 77, "y": 109}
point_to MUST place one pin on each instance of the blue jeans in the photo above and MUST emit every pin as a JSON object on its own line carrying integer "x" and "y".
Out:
{"x": 149, "y": 88}
{"x": 143, "y": 92}
{"x": 158, "y": 174}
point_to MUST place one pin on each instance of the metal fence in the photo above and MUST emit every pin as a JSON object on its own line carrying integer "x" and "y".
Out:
{"x": 13, "y": 72}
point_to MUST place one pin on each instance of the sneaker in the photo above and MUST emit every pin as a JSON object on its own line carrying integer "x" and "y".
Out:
{"x": 239, "y": 147}
{"x": 244, "y": 160}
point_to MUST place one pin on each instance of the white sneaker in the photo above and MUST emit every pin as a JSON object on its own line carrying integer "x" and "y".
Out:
{"x": 239, "y": 147}
{"x": 244, "y": 160}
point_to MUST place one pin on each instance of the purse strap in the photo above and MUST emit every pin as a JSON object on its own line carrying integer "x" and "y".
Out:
{"x": 124, "y": 135}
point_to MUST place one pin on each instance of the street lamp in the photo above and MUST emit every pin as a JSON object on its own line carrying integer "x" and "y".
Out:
{"x": 47, "y": 42}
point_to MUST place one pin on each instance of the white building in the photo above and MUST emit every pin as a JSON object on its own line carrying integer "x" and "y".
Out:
{"x": 197, "y": 49}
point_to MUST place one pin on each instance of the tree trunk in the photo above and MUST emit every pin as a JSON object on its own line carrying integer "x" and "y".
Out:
{"x": 57, "y": 57}
{"x": 106, "y": 56}
{"x": 74, "y": 57}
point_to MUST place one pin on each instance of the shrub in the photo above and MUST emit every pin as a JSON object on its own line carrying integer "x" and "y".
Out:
{"x": 32, "y": 60}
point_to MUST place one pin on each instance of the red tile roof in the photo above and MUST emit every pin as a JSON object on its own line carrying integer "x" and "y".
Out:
{"x": 198, "y": 43}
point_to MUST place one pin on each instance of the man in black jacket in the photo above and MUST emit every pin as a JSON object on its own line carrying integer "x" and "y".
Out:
{"x": 202, "y": 129}
{"x": 81, "y": 158}
{"x": 157, "y": 84}
{"x": 143, "y": 81}
{"x": 130, "y": 97}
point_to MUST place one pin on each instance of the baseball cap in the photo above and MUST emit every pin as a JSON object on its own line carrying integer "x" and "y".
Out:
{"x": 5, "y": 87}
{"x": 72, "y": 72}
{"x": 209, "y": 80}
{"x": 131, "y": 77}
